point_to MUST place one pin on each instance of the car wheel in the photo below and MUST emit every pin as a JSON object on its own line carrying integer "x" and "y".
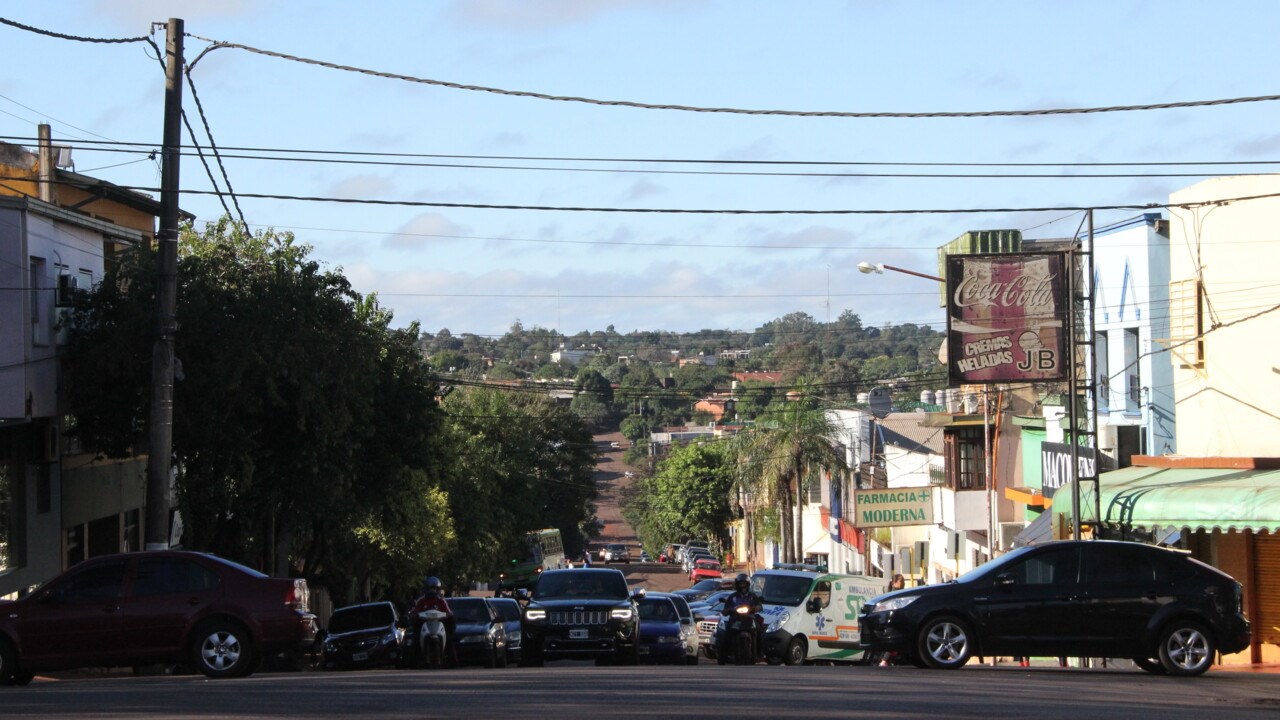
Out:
{"x": 944, "y": 643}
{"x": 8, "y": 664}
{"x": 222, "y": 649}
{"x": 1186, "y": 648}
{"x": 796, "y": 652}
{"x": 1151, "y": 665}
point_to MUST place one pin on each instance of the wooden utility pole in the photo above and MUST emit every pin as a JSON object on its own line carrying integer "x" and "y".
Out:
{"x": 160, "y": 427}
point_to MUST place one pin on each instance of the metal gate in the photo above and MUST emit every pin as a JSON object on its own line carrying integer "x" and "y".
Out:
{"x": 1266, "y": 586}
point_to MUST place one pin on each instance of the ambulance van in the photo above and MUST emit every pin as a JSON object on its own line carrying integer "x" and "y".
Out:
{"x": 812, "y": 616}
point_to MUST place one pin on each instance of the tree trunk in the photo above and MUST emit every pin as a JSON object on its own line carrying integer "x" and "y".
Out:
{"x": 786, "y": 538}
{"x": 801, "y": 501}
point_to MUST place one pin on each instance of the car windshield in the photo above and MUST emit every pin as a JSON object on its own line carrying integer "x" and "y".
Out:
{"x": 709, "y": 584}
{"x": 781, "y": 589}
{"x": 603, "y": 585}
{"x": 708, "y": 564}
{"x": 658, "y": 609}
{"x": 364, "y": 617}
{"x": 469, "y": 610}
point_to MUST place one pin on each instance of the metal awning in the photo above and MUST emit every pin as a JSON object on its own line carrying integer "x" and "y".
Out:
{"x": 1038, "y": 530}
{"x": 1184, "y": 497}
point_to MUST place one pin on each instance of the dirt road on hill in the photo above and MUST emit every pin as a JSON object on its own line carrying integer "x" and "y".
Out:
{"x": 611, "y": 480}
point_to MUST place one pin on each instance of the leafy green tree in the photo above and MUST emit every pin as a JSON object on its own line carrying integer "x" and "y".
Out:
{"x": 687, "y": 496}
{"x": 304, "y": 429}
{"x": 779, "y": 456}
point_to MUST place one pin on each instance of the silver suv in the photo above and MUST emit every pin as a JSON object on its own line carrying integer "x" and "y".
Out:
{"x": 616, "y": 553}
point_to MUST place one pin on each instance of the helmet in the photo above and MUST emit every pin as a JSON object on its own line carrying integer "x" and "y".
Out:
{"x": 742, "y": 583}
{"x": 431, "y": 584}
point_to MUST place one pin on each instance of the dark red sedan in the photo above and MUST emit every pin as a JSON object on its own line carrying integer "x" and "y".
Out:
{"x": 154, "y": 607}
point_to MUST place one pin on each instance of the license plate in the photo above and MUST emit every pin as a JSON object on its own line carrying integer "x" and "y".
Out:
{"x": 578, "y": 634}
{"x": 360, "y": 656}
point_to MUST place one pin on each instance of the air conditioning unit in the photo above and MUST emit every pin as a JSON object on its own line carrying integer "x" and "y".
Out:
{"x": 1008, "y": 531}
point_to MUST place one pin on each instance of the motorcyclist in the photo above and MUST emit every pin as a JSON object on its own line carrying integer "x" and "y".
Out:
{"x": 742, "y": 595}
{"x": 433, "y": 599}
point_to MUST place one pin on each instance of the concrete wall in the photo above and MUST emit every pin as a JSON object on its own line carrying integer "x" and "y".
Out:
{"x": 1231, "y": 406}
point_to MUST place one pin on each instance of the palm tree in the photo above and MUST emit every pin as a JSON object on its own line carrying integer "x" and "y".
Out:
{"x": 778, "y": 458}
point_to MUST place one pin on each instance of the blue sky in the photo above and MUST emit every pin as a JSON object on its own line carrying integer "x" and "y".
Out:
{"x": 479, "y": 270}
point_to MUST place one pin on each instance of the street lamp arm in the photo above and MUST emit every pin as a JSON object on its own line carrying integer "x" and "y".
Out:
{"x": 879, "y": 268}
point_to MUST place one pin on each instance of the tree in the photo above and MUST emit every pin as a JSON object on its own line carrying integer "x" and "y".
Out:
{"x": 304, "y": 430}
{"x": 687, "y": 496}
{"x": 778, "y": 458}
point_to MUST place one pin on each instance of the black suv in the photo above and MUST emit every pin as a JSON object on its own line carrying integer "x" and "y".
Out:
{"x": 581, "y": 613}
{"x": 1161, "y": 608}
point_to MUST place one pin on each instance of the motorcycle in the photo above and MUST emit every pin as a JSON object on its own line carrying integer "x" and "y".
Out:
{"x": 432, "y": 638}
{"x": 738, "y": 637}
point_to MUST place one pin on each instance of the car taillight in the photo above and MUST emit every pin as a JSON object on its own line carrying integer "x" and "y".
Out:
{"x": 297, "y": 597}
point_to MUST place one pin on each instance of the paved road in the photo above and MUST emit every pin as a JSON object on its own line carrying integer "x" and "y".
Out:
{"x": 574, "y": 690}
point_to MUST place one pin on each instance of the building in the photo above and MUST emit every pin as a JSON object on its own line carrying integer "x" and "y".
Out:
{"x": 59, "y": 232}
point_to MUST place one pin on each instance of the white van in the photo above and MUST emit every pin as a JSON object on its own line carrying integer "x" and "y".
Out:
{"x": 813, "y": 615}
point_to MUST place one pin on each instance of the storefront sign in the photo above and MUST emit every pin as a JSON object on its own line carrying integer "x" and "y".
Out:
{"x": 1007, "y": 317}
{"x": 893, "y": 506}
{"x": 1055, "y": 465}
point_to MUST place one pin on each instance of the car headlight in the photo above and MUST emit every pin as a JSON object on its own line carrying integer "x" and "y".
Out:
{"x": 777, "y": 623}
{"x": 892, "y": 604}
{"x": 535, "y": 615}
{"x": 620, "y": 613}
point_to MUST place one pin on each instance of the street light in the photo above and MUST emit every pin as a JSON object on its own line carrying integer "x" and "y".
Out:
{"x": 879, "y": 269}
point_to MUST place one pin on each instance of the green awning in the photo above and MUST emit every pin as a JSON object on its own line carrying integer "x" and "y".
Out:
{"x": 1194, "y": 498}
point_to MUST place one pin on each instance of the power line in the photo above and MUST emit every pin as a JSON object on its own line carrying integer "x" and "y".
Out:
{"x": 220, "y": 44}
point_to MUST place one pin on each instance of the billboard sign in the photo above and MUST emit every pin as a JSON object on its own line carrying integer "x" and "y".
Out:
{"x": 1007, "y": 318}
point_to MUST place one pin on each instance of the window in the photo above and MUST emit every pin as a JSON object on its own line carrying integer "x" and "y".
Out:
{"x": 98, "y": 583}
{"x": 966, "y": 459}
{"x": 1186, "y": 322}
{"x": 1056, "y": 567}
{"x": 1102, "y": 359}
{"x": 822, "y": 593}
{"x": 1132, "y": 373}
{"x": 39, "y": 314}
{"x": 172, "y": 577}
{"x": 1118, "y": 565}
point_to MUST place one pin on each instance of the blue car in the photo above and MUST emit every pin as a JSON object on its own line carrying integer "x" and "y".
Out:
{"x": 661, "y": 639}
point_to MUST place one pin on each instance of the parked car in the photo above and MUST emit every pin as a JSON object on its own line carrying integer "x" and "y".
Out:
{"x": 361, "y": 636}
{"x": 644, "y": 557}
{"x": 660, "y": 637}
{"x": 704, "y": 569}
{"x": 155, "y": 607}
{"x": 693, "y": 555}
{"x": 1167, "y": 611}
{"x": 479, "y": 632}
{"x": 688, "y": 626}
{"x": 615, "y": 445}
{"x": 583, "y": 613}
{"x": 703, "y": 588}
{"x": 509, "y": 610}
{"x": 615, "y": 553}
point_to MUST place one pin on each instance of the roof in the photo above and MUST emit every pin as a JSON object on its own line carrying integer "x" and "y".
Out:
{"x": 907, "y": 430}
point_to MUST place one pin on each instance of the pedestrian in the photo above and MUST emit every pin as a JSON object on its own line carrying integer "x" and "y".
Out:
{"x": 897, "y": 583}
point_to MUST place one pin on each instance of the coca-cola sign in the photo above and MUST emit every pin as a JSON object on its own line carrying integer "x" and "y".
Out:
{"x": 1007, "y": 317}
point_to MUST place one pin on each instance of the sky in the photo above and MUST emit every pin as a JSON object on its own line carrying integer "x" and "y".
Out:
{"x": 422, "y": 150}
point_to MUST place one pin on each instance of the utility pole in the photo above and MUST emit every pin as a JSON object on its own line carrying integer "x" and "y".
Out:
{"x": 160, "y": 427}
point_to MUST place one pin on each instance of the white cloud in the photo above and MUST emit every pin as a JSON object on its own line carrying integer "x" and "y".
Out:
{"x": 422, "y": 231}
{"x": 362, "y": 187}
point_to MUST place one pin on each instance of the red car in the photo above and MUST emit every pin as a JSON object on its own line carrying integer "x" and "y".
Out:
{"x": 705, "y": 570}
{"x": 154, "y": 607}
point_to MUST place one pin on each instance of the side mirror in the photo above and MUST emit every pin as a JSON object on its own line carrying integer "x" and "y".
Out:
{"x": 637, "y": 593}
{"x": 522, "y": 594}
